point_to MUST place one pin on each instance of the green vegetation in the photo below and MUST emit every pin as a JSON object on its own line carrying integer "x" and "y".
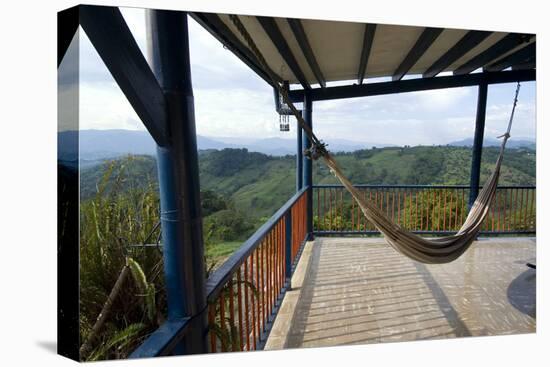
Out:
{"x": 118, "y": 216}
{"x": 120, "y": 212}
{"x": 257, "y": 184}
{"x": 222, "y": 250}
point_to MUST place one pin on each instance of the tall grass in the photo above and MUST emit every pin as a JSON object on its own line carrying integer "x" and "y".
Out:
{"x": 115, "y": 223}
{"x": 112, "y": 223}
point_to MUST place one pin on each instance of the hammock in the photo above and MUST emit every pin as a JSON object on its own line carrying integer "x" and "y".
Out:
{"x": 426, "y": 250}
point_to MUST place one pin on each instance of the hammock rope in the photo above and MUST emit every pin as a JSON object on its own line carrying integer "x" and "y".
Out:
{"x": 426, "y": 250}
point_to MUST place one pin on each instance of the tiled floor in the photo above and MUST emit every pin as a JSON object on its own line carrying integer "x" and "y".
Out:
{"x": 359, "y": 290}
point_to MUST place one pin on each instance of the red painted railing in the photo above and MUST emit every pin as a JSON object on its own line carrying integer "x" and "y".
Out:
{"x": 431, "y": 209}
{"x": 245, "y": 292}
{"x": 299, "y": 220}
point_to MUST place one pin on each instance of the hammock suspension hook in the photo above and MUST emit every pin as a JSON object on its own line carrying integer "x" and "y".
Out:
{"x": 316, "y": 151}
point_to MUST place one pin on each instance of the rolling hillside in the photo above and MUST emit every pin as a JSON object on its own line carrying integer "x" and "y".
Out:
{"x": 258, "y": 184}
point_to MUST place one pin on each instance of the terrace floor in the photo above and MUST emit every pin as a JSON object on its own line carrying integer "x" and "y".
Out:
{"x": 360, "y": 291}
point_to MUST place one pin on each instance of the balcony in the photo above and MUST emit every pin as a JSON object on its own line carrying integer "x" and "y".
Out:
{"x": 360, "y": 291}
{"x": 309, "y": 243}
{"x": 284, "y": 289}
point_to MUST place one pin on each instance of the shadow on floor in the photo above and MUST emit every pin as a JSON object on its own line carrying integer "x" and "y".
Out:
{"x": 522, "y": 293}
{"x": 342, "y": 304}
{"x": 359, "y": 292}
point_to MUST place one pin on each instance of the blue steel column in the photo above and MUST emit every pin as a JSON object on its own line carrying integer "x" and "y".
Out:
{"x": 178, "y": 173}
{"x": 299, "y": 159}
{"x": 478, "y": 143}
{"x": 308, "y": 164}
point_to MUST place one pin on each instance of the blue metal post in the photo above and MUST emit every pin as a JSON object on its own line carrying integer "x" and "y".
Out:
{"x": 299, "y": 160}
{"x": 478, "y": 143}
{"x": 308, "y": 164}
{"x": 288, "y": 246}
{"x": 178, "y": 173}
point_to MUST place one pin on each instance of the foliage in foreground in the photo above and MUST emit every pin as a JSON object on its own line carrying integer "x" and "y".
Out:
{"x": 121, "y": 210}
{"x": 112, "y": 223}
{"x": 115, "y": 223}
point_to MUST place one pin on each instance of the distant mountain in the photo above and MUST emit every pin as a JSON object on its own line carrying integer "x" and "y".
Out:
{"x": 259, "y": 184}
{"x": 98, "y": 145}
{"x": 492, "y": 142}
{"x": 281, "y": 147}
{"x": 343, "y": 145}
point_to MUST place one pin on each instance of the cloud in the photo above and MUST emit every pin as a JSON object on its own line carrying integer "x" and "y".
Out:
{"x": 236, "y": 112}
{"x": 106, "y": 107}
{"x": 441, "y": 99}
{"x": 523, "y": 125}
{"x": 231, "y": 100}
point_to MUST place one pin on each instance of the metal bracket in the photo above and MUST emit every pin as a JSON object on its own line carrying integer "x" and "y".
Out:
{"x": 316, "y": 151}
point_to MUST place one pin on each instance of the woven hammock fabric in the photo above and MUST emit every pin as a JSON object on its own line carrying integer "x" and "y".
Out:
{"x": 427, "y": 250}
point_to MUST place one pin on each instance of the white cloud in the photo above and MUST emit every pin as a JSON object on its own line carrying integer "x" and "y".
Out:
{"x": 103, "y": 106}
{"x": 523, "y": 125}
{"x": 441, "y": 99}
{"x": 236, "y": 112}
{"x": 232, "y": 101}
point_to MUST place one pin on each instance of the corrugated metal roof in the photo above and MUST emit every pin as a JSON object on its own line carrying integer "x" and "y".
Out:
{"x": 337, "y": 48}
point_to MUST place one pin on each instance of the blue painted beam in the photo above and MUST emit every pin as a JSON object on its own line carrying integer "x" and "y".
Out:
{"x": 477, "y": 148}
{"x": 308, "y": 164}
{"x": 526, "y": 53}
{"x": 368, "y": 39}
{"x": 527, "y": 65}
{"x": 413, "y": 85}
{"x": 300, "y": 34}
{"x": 113, "y": 41}
{"x": 506, "y": 44}
{"x": 274, "y": 33}
{"x": 465, "y": 44}
{"x": 299, "y": 159}
{"x": 423, "y": 43}
{"x": 178, "y": 172}
{"x": 213, "y": 24}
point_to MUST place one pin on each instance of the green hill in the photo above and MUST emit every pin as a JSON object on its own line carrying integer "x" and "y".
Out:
{"x": 258, "y": 184}
{"x": 239, "y": 190}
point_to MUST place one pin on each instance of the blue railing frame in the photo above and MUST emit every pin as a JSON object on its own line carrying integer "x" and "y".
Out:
{"x": 339, "y": 186}
{"x": 439, "y": 233}
{"x": 167, "y": 336}
{"x": 163, "y": 340}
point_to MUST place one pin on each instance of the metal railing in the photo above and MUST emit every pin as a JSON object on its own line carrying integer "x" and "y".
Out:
{"x": 438, "y": 209}
{"x": 245, "y": 292}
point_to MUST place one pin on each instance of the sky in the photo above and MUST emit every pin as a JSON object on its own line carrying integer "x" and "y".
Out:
{"x": 232, "y": 101}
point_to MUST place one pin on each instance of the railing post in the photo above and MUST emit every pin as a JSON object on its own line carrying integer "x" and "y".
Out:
{"x": 477, "y": 147}
{"x": 288, "y": 247}
{"x": 299, "y": 160}
{"x": 177, "y": 162}
{"x": 308, "y": 164}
